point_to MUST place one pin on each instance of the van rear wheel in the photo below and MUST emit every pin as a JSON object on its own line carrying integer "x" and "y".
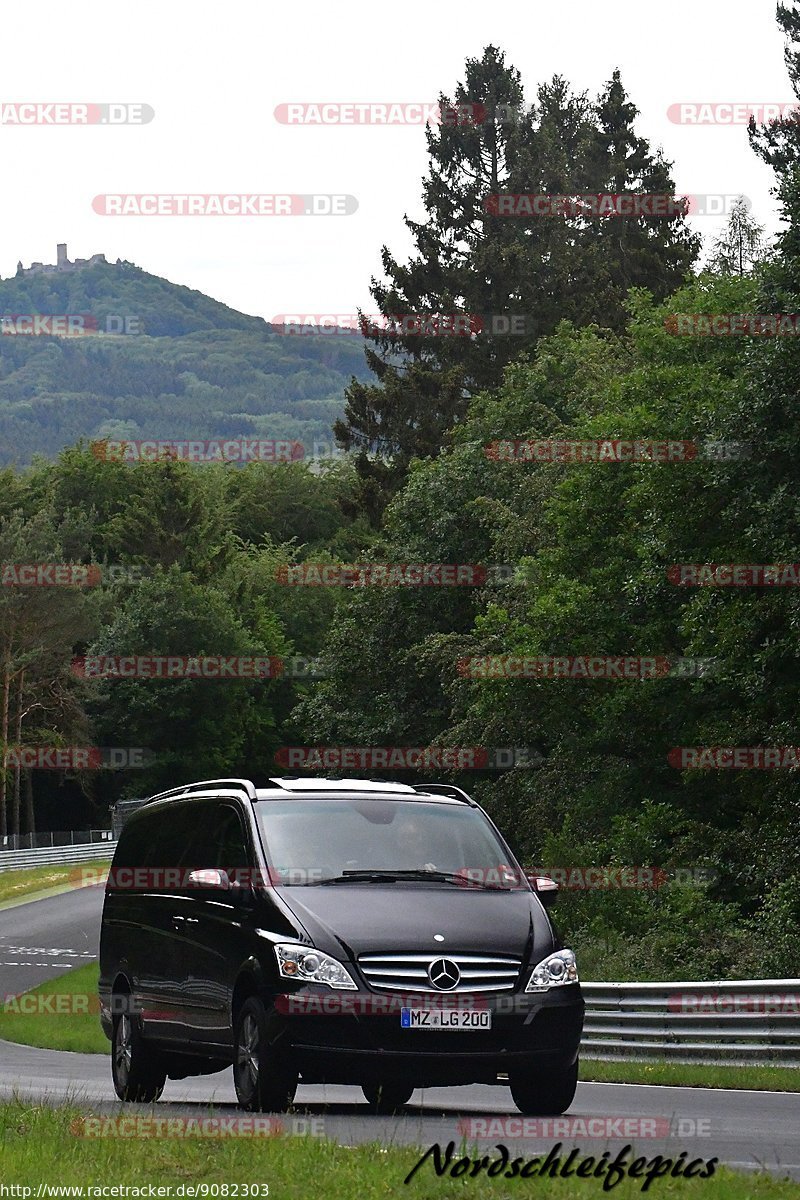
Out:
{"x": 263, "y": 1075}
{"x": 545, "y": 1095}
{"x": 386, "y": 1098}
{"x": 136, "y": 1070}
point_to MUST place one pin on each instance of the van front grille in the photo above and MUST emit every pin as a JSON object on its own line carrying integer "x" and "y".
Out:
{"x": 409, "y": 972}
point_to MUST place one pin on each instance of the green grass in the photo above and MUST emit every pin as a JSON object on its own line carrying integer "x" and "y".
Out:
{"x": 39, "y": 1145}
{"x": 81, "y": 1031}
{"x": 16, "y": 884}
{"x": 767, "y": 1079}
{"x": 74, "y": 1026}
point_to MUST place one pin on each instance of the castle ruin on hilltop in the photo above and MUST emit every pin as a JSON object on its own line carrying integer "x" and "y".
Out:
{"x": 62, "y": 263}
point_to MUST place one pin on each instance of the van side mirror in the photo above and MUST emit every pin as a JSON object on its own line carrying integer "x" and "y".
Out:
{"x": 546, "y": 889}
{"x": 210, "y": 879}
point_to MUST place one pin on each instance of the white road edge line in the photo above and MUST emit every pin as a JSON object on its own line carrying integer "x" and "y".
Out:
{"x": 686, "y": 1087}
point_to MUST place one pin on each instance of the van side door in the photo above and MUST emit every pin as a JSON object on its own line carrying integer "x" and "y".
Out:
{"x": 216, "y": 935}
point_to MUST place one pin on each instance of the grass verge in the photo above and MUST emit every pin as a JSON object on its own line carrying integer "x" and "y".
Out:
{"x": 668, "y": 1074}
{"x": 17, "y": 884}
{"x": 62, "y": 1014}
{"x": 40, "y": 1146}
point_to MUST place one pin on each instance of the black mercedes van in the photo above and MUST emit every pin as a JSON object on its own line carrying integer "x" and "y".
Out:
{"x": 335, "y": 931}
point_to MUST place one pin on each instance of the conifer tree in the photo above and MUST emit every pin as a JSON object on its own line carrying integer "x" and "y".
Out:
{"x": 523, "y": 273}
{"x": 740, "y": 246}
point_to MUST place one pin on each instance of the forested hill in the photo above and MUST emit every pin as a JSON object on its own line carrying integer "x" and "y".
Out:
{"x": 188, "y": 367}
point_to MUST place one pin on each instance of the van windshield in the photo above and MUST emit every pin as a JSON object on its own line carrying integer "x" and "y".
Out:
{"x": 317, "y": 842}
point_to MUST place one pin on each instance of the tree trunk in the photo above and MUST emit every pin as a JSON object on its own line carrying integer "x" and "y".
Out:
{"x": 30, "y": 817}
{"x": 4, "y": 705}
{"x": 14, "y": 823}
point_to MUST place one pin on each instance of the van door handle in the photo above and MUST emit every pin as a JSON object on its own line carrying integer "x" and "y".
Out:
{"x": 190, "y": 920}
{"x": 177, "y": 922}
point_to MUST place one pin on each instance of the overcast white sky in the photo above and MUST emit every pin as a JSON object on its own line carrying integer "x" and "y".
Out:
{"x": 215, "y": 72}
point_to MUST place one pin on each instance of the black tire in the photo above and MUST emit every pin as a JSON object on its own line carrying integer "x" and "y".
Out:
{"x": 546, "y": 1095}
{"x": 386, "y": 1098}
{"x": 138, "y": 1074}
{"x": 263, "y": 1074}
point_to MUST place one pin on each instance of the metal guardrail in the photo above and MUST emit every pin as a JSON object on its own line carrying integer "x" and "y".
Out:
{"x": 40, "y": 841}
{"x": 743, "y": 1022}
{"x": 16, "y": 860}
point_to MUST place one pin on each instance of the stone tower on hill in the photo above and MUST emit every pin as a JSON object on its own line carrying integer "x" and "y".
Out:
{"x": 62, "y": 264}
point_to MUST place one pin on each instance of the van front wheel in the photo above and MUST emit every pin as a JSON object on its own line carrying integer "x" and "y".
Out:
{"x": 547, "y": 1094}
{"x": 263, "y": 1076}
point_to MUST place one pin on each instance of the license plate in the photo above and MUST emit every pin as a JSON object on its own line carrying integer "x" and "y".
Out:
{"x": 445, "y": 1018}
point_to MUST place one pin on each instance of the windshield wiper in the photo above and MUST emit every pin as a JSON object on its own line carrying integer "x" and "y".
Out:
{"x": 358, "y": 877}
{"x": 401, "y": 877}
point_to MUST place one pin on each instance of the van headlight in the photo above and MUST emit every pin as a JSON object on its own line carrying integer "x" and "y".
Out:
{"x": 554, "y": 971}
{"x": 304, "y": 964}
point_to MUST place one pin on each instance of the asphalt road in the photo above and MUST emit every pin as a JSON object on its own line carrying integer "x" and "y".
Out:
{"x": 744, "y": 1129}
{"x": 41, "y": 940}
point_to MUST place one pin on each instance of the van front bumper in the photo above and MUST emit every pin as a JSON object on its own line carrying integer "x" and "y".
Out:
{"x": 358, "y": 1037}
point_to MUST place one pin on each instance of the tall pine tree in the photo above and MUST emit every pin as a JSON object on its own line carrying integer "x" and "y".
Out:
{"x": 470, "y": 259}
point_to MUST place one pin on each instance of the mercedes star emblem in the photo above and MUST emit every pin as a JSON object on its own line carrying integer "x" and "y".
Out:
{"x": 444, "y": 974}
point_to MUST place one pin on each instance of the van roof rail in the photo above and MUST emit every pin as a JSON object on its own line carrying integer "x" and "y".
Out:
{"x": 445, "y": 789}
{"x": 239, "y": 785}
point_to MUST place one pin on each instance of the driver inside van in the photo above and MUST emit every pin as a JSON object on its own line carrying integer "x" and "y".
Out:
{"x": 412, "y": 848}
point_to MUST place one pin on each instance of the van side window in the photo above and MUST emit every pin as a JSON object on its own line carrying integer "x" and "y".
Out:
{"x": 218, "y": 838}
{"x": 171, "y": 836}
{"x": 134, "y": 843}
{"x": 155, "y": 842}
{"x": 232, "y": 855}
